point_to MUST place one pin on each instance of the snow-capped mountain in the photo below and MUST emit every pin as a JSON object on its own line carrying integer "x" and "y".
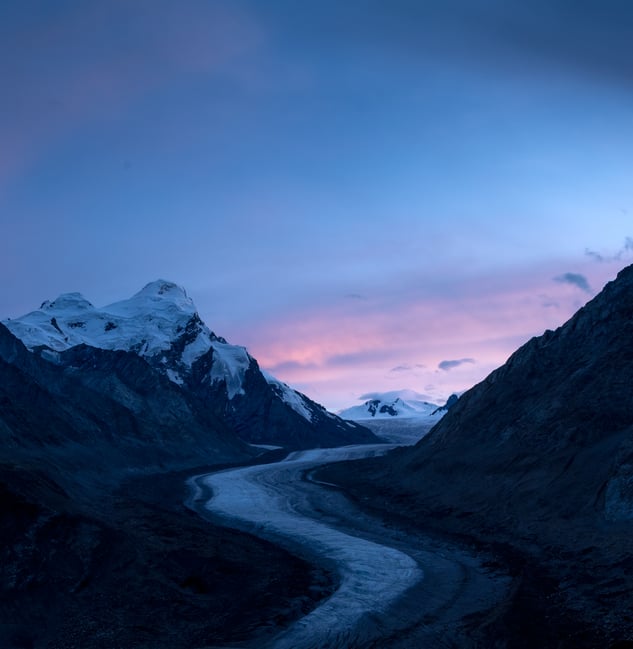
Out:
{"x": 161, "y": 325}
{"x": 402, "y": 415}
{"x": 386, "y": 406}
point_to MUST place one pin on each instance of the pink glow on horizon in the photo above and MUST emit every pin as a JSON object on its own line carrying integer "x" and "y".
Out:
{"x": 340, "y": 351}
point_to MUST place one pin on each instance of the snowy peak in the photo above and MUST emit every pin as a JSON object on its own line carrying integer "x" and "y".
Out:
{"x": 164, "y": 291}
{"x": 387, "y": 406}
{"x": 68, "y": 302}
{"x": 159, "y": 323}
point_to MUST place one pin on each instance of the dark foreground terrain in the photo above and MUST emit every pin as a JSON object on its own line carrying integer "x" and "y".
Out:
{"x": 136, "y": 569}
{"x": 560, "y": 598}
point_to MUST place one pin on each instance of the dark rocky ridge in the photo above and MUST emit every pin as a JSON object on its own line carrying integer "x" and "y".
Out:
{"x": 261, "y": 416}
{"x": 99, "y": 413}
{"x": 262, "y": 409}
{"x": 536, "y": 463}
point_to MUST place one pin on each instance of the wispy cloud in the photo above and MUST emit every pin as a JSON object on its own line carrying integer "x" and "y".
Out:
{"x": 575, "y": 279}
{"x": 360, "y": 357}
{"x": 447, "y": 366}
{"x": 291, "y": 366}
{"x": 610, "y": 257}
{"x": 547, "y": 302}
{"x": 407, "y": 368}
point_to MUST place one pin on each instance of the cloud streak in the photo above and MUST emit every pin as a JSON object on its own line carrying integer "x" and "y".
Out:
{"x": 447, "y": 366}
{"x": 609, "y": 258}
{"x": 406, "y": 368}
{"x": 575, "y": 279}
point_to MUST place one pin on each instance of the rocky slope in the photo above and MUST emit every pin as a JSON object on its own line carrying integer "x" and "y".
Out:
{"x": 134, "y": 569}
{"x": 100, "y": 414}
{"x": 161, "y": 326}
{"x": 537, "y": 462}
{"x": 553, "y": 428}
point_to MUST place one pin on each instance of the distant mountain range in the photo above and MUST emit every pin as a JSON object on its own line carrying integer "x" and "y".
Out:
{"x": 404, "y": 404}
{"x": 400, "y": 416}
{"x": 174, "y": 351}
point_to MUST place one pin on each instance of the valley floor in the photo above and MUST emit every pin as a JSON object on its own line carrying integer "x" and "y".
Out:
{"x": 396, "y": 587}
{"x": 272, "y": 555}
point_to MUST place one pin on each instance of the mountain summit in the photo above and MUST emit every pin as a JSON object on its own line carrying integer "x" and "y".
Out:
{"x": 160, "y": 324}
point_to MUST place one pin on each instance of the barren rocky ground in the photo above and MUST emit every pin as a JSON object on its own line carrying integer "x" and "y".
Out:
{"x": 139, "y": 570}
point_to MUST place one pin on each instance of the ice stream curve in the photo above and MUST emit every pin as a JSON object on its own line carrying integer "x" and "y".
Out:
{"x": 372, "y": 576}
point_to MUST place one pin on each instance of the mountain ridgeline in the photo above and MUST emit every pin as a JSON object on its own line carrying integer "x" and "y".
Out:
{"x": 552, "y": 429}
{"x": 535, "y": 463}
{"x": 149, "y": 371}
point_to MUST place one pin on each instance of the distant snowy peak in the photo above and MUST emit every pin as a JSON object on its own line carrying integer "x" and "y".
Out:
{"x": 387, "y": 406}
{"x": 159, "y": 323}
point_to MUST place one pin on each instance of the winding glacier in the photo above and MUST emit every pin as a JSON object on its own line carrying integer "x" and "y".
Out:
{"x": 261, "y": 499}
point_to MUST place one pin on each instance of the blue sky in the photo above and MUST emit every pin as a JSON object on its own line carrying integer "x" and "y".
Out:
{"x": 358, "y": 192}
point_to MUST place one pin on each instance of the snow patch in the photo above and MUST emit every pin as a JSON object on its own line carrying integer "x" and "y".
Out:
{"x": 289, "y": 396}
{"x": 195, "y": 349}
{"x": 174, "y": 377}
{"x": 230, "y": 364}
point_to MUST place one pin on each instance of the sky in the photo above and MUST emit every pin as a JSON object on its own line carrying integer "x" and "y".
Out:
{"x": 369, "y": 195}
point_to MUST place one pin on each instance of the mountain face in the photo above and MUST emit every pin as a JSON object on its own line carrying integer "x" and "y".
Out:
{"x": 97, "y": 550}
{"x": 161, "y": 326}
{"x": 537, "y": 461}
{"x": 554, "y": 425}
{"x": 95, "y": 414}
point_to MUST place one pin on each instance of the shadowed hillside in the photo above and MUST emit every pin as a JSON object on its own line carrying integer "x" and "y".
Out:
{"x": 536, "y": 462}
